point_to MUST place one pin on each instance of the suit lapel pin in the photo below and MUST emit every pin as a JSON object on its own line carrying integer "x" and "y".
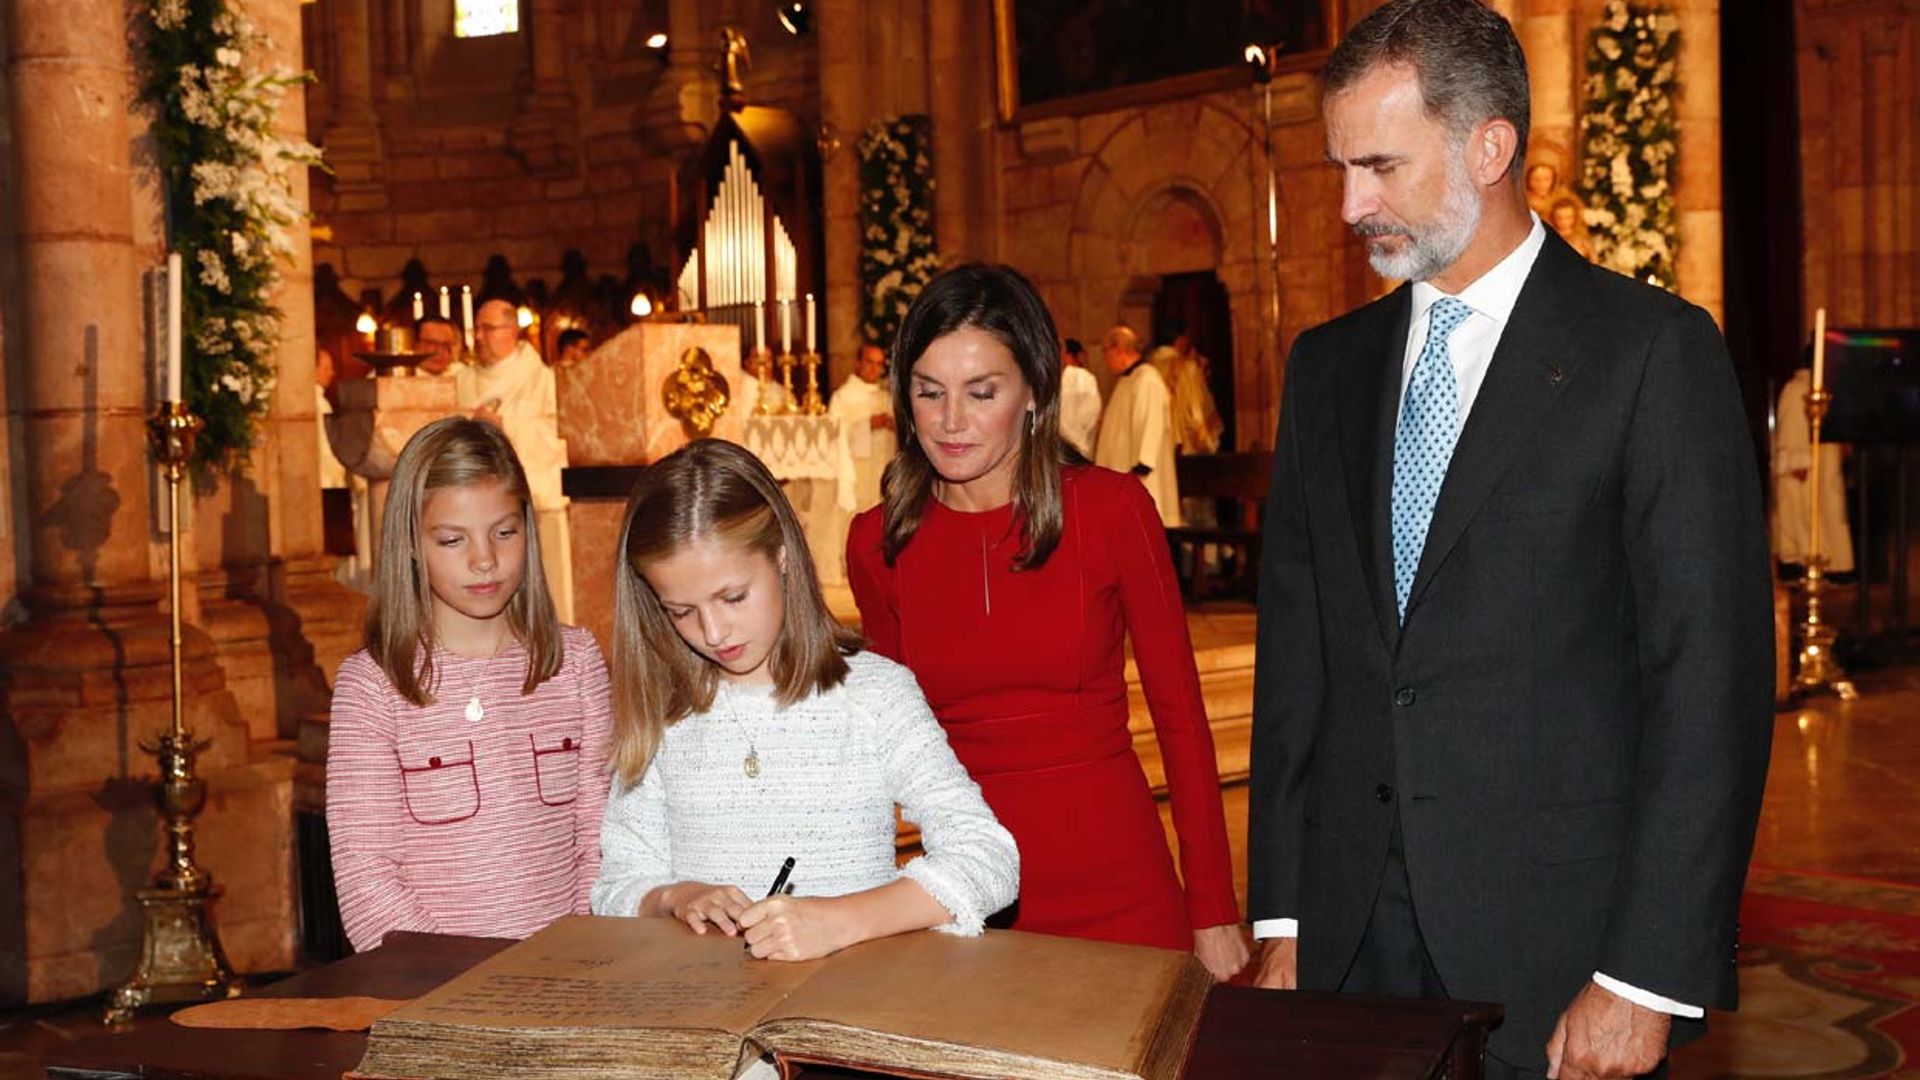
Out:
{"x": 1554, "y": 375}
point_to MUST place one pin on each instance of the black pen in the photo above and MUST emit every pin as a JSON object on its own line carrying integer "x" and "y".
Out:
{"x": 780, "y": 881}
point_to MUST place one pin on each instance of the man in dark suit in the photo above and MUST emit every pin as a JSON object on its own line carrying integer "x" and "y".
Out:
{"x": 1514, "y": 692}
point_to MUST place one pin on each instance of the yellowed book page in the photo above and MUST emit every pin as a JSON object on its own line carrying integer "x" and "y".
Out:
{"x": 1034, "y": 996}
{"x": 589, "y": 971}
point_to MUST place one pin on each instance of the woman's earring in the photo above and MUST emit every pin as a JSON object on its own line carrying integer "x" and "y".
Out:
{"x": 1029, "y": 421}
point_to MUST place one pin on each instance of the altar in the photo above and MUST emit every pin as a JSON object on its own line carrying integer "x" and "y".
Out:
{"x": 616, "y": 415}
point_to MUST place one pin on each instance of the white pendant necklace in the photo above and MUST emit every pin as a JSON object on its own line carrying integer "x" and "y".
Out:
{"x": 475, "y": 711}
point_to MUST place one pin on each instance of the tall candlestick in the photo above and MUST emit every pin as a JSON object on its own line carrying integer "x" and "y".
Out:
{"x": 466, "y": 313}
{"x": 1819, "y": 349}
{"x": 419, "y": 306}
{"x": 810, "y": 324}
{"x": 446, "y": 303}
{"x": 759, "y": 319}
{"x": 786, "y": 326}
{"x": 174, "y": 282}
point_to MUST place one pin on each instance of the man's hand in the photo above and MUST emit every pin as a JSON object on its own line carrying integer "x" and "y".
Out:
{"x": 488, "y": 414}
{"x": 1279, "y": 964}
{"x": 1603, "y": 1036}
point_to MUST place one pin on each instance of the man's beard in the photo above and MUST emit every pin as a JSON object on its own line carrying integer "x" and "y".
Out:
{"x": 1434, "y": 246}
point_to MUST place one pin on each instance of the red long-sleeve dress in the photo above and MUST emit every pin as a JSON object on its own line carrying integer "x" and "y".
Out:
{"x": 1026, "y": 671}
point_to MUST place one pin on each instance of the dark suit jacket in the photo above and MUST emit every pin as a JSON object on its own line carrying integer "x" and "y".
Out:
{"x": 1573, "y": 721}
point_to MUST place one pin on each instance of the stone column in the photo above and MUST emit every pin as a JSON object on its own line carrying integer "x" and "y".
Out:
{"x": 841, "y": 29}
{"x": 543, "y": 136}
{"x": 961, "y": 101}
{"x": 1696, "y": 193}
{"x": 353, "y": 133}
{"x": 88, "y": 677}
{"x": 684, "y": 105}
{"x": 1545, "y": 29}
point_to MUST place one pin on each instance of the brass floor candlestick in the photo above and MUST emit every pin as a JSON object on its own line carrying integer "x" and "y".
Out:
{"x": 180, "y": 955}
{"x": 1819, "y": 670}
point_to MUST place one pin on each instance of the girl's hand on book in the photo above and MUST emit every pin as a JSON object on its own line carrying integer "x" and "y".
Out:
{"x": 700, "y": 905}
{"x": 790, "y": 928}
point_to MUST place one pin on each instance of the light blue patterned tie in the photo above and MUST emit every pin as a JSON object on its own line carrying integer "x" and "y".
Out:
{"x": 1429, "y": 426}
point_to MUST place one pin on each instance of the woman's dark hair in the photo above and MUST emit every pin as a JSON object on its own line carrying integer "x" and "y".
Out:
{"x": 1000, "y": 301}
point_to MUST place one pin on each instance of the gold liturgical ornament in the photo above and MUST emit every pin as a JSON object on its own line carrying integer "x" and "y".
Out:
{"x": 695, "y": 394}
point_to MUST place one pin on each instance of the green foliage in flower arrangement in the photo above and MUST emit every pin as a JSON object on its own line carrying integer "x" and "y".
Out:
{"x": 1630, "y": 140}
{"x": 227, "y": 176}
{"x": 898, "y": 255}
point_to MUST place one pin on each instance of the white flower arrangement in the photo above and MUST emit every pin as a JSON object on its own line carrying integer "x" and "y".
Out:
{"x": 897, "y": 254}
{"x": 1629, "y": 138}
{"x": 228, "y": 178}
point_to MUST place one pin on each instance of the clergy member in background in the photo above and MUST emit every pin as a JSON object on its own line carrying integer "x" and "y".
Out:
{"x": 863, "y": 405}
{"x": 512, "y": 387}
{"x": 1136, "y": 434}
{"x": 757, "y": 383}
{"x": 1196, "y": 419}
{"x": 1079, "y": 398}
{"x": 1792, "y": 495}
{"x": 572, "y": 346}
{"x": 439, "y": 339}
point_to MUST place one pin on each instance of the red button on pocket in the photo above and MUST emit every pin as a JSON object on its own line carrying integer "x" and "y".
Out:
{"x": 433, "y": 763}
{"x": 566, "y": 744}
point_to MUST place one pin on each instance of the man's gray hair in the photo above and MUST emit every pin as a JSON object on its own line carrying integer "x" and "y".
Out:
{"x": 1470, "y": 64}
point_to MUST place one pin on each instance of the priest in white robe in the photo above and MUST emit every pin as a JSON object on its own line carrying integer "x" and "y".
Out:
{"x": 512, "y": 387}
{"x": 863, "y": 405}
{"x": 1079, "y": 398}
{"x": 1136, "y": 434}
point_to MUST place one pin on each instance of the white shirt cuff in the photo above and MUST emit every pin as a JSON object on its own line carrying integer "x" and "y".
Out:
{"x": 1273, "y": 928}
{"x": 1647, "y": 999}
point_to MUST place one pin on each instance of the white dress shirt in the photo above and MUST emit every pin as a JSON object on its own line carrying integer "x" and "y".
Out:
{"x": 1471, "y": 346}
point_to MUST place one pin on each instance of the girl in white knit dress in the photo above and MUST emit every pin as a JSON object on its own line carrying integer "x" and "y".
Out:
{"x": 750, "y": 729}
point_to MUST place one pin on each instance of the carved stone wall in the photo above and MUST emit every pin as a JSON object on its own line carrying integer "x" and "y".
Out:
{"x": 1860, "y": 160}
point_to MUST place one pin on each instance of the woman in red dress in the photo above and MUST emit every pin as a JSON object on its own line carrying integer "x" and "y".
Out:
{"x": 1007, "y": 573}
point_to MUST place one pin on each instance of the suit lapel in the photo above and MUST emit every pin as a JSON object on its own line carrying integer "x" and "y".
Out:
{"x": 1369, "y": 400}
{"x": 1534, "y": 362}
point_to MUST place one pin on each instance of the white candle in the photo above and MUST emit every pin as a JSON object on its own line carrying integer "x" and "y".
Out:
{"x": 786, "y": 326}
{"x": 174, "y": 279}
{"x": 466, "y": 313}
{"x": 1819, "y": 349}
{"x": 810, "y": 339}
{"x": 419, "y": 306}
{"x": 759, "y": 319}
{"x": 446, "y": 303}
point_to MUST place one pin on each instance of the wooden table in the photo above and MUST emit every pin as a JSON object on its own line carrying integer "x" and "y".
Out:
{"x": 1243, "y": 1032}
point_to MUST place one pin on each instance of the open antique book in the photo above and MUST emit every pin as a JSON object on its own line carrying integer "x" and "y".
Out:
{"x": 592, "y": 997}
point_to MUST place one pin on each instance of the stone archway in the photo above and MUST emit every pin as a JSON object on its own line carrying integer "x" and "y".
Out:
{"x": 1176, "y": 188}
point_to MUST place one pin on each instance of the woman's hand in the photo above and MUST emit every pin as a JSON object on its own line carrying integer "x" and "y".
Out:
{"x": 699, "y": 905}
{"x": 1223, "y": 949}
{"x": 798, "y": 928}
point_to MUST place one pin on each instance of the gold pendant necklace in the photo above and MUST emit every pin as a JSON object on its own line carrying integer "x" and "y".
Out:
{"x": 752, "y": 762}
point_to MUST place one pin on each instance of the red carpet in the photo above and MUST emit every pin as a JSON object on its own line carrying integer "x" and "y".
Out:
{"x": 1829, "y": 984}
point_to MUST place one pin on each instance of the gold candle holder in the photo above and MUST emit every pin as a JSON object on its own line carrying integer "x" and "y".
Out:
{"x": 1819, "y": 671}
{"x": 786, "y": 362}
{"x": 180, "y": 955}
{"x": 760, "y": 366}
{"x": 811, "y": 403}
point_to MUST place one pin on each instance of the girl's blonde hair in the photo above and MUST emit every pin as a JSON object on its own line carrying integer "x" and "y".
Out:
{"x": 449, "y": 453}
{"x": 709, "y": 489}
